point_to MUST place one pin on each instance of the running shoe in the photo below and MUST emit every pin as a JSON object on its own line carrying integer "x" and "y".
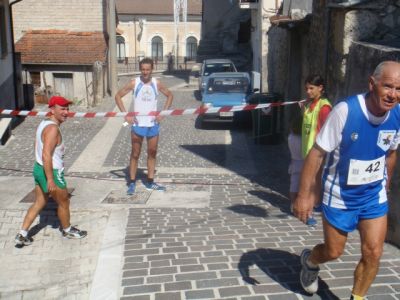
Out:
{"x": 152, "y": 186}
{"x": 131, "y": 188}
{"x": 22, "y": 240}
{"x": 74, "y": 233}
{"x": 308, "y": 276}
{"x": 311, "y": 221}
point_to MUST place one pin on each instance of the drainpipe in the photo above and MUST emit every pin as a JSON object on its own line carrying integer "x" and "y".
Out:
{"x": 13, "y": 53}
{"x": 112, "y": 45}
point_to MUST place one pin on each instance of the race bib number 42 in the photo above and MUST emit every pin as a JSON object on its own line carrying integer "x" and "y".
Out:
{"x": 365, "y": 171}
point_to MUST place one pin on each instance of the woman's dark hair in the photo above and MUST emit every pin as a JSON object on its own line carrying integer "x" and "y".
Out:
{"x": 315, "y": 79}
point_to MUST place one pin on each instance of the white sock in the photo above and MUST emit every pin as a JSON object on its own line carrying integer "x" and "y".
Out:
{"x": 24, "y": 233}
{"x": 67, "y": 229}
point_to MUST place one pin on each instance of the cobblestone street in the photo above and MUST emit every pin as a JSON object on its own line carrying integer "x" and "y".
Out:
{"x": 222, "y": 230}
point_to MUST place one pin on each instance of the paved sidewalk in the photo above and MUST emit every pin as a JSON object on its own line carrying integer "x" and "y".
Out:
{"x": 222, "y": 230}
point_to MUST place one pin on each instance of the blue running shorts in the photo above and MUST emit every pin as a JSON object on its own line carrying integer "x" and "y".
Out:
{"x": 146, "y": 131}
{"x": 348, "y": 219}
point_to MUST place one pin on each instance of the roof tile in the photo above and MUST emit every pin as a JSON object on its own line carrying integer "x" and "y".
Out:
{"x": 61, "y": 47}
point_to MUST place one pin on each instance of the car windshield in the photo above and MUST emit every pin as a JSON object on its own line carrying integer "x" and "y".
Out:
{"x": 228, "y": 85}
{"x": 218, "y": 67}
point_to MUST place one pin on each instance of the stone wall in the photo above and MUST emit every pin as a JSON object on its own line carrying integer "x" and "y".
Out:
{"x": 376, "y": 22}
{"x": 73, "y": 15}
{"x": 277, "y": 61}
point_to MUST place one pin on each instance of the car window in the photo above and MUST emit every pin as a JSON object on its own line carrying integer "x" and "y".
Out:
{"x": 218, "y": 67}
{"x": 228, "y": 85}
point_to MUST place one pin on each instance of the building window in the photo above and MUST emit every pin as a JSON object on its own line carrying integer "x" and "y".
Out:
{"x": 120, "y": 48}
{"x": 3, "y": 30}
{"x": 157, "y": 48}
{"x": 191, "y": 48}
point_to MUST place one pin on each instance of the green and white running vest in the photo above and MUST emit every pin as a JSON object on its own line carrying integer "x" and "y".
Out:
{"x": 309, "y": 127}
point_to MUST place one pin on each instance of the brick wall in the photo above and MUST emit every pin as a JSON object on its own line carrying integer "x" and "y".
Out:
{"x": 73, "y": 15}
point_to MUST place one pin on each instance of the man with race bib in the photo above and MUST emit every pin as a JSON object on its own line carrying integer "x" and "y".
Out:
{"x": 358, "y": 144}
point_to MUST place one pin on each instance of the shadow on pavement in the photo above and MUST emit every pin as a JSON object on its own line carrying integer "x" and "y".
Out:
{"x": 124, "y": 173}
{"x": 274, "y": 198}
{"x": 212, "y": 153}
{"x": 251, "y": 210}
{"x": 280, "y": 266}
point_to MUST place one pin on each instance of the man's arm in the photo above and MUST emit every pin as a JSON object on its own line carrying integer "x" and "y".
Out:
{"x": 309, "y": 184}
{"x": 120, "y": 94}
{"x": 50, "y": 136}
{"x": 391, "y": 159}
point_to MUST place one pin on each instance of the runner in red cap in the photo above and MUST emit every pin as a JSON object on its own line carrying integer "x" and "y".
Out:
{"x": 48, "y": 172}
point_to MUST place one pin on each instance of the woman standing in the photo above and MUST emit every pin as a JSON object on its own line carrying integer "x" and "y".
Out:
{"x": 315, "y": 113}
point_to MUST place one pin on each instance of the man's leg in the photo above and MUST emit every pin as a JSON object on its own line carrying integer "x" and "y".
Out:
{"x": 332, "y": 248}
{"x": 152, "y": 145}
{"x": 61, "y": 197}
{"x": 372, "y": 233}
{"x": 41, "y": 199}
{"x": 33, "y": 211}
{"x": 135, "y": 153}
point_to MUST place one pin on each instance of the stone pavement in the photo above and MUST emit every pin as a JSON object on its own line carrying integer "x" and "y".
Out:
{"x": 221, "y": 231}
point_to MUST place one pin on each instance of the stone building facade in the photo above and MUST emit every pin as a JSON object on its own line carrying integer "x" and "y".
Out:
{"x": 60, "y": 70}
{"x": 147, "y": 29}
{"x": 334, "y": 34}
{"x": 85, "y": 15}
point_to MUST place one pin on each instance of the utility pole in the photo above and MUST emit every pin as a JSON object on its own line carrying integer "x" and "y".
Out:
{"x": 112, "y": 46}
{"x": 179, "y": 5}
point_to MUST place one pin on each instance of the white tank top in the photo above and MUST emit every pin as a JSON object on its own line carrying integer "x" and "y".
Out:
{"x": 145, "y": 101}
{"x": 58, "y": 155}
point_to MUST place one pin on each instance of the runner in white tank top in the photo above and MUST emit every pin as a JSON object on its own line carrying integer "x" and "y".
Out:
{"x": 58, "y": 155}
{"x": 145, "y": 101}
{"x": 145, "y": 91}
{"x": 48, "y": 172}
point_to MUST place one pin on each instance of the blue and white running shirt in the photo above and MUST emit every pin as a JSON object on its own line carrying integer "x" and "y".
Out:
{"x": 357, "y": 143}
{"x": 145, "y": 101}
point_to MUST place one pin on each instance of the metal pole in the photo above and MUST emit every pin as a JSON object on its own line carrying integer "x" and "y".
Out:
{"x": 112, "y": 45}
{"x": 177, "y": 8}
{"x": 134, "y": 29}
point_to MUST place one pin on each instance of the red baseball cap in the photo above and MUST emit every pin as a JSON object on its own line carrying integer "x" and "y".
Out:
{"x": 58, "y": 100}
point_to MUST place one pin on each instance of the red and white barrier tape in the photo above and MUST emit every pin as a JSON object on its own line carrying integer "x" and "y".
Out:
{"x": 171, "y": 112}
